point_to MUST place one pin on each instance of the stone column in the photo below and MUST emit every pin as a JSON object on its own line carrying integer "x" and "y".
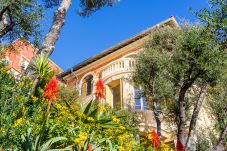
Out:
{"x": 128, "y": 95}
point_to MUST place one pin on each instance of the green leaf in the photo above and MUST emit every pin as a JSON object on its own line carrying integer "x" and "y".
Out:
{"x": 87, "y": 109}
{"x": 68, "y": 148}
{"x": 50, "y": 142}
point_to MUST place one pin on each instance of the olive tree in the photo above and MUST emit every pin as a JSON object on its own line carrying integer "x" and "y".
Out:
{"x": 173, "y": 63}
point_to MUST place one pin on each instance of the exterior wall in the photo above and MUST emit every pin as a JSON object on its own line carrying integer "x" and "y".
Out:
{"x": 118, "y": 65}
{"x": 19, "y": 50}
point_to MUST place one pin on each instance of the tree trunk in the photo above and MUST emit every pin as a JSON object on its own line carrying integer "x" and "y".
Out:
{"x": 195, "y": 114}
{"x": 6, "y": 29}
{"x": 153, "y": 105}
{"x": 220, "y": 144}
{"x": 182, "y": 104}
{"x": 49, "y": 42}
{"x": 157, "y": 119}
{"x": 182, "y": 116}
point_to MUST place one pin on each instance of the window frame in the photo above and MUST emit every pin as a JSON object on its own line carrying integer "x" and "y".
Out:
{"x": 22, "y": 60}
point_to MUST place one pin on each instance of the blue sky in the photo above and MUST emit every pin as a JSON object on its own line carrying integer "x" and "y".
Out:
{"x": 82, "y": 38}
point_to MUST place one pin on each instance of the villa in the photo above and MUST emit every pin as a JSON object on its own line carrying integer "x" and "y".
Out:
{"x": 114, "y": 67}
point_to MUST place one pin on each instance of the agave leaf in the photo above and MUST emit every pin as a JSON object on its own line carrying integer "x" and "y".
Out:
{"x": 34, "y": 146}
{"x": 68, "y": 148}
{"x": 50, "y": 142}
{"x": 102, "y": 140}
{"x": 93, "y": 113}
{"x": 109, "y": 125}
{"x": 87, "y": 109}
{"x": 97, "y": 149}
{"x": 104, "y": 120}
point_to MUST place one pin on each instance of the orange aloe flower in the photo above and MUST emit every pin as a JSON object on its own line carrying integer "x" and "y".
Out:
{"x": 180, "y": 147}
{"x": 89, "y": 147}
{"x": 51, "y": 89}
{"x": 155, "y": 140}
{"x": 99, "y": 90}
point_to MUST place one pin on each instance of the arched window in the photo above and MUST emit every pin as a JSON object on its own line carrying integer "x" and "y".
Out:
{"x": 87, "y": 86}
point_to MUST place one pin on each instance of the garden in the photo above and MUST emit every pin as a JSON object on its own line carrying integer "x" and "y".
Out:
{"x": 49, "y": 116}
{"x": 181, "y": 71}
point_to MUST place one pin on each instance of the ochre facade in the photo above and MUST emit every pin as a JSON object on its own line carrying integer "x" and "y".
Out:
{"x": 114, "y": 67}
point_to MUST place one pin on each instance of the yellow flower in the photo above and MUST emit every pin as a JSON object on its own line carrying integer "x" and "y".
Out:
{"x": 18, "y": 122}
{"x": 23, "y": 109}
{"x": 98, "y": 126}
{"x": 2, "y": 130}
{"x": 87, "y": 126}
{"x": 74, "y": 107}
{"x": 101, "y": 107}
{"x": 80, "y": 140}
{"x": 21, "y": 84}
{"x": 80, "y": 122}
{"x": 109, "y": 130}
{"x": 14, "y": 114}
{"x": 165, "y": 147}
{"x": 115, "y": 119}
{"x": 90, "y": 119}
{"x": 120, "y": 148}
{"x": 58, "y": 106}
{"x": 80, "y": 114}
{"x": 121, "y": 127}
{"x": 34, "y": 98}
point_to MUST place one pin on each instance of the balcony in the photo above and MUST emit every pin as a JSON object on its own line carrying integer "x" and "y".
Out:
{"x": 123, "y": 65}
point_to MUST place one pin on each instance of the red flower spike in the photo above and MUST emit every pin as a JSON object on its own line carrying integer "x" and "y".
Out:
{"x": 155, "y": 140}
{"x": 51, "y": 90}
{"x": 99, "y": 90}
{"x": 89, "y": 147}
{"x": 180, "y": 147}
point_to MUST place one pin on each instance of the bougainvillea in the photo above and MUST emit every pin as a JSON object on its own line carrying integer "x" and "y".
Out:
{"x": 99, "y": 90}
{"x": 180, "y": 147}
{"x": 51, "y": 89}
{"x": 155, "y": 140}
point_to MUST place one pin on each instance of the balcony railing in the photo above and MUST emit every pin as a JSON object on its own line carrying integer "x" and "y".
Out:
{"x": 119, "y": 66}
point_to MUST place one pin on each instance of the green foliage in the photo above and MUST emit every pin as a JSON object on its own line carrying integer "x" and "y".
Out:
{"x": 150, "y": 72}
{"x": 20, "y": 18}
{"x": 205, "y": 139}
{"x": 33, "y": 145}
{"x": 13, "y": 97}
{"x": 218, "y": 102}
{"x": 41, "y": 68}
{"x": 94, "y": 125}
{"x": 25, "y": 125}
{"x": 215, "y": 19}
{"x": 67, "y": 94}
{"x": 42, "y": 72}
{"x": 87, "y": 7}
{"x": 197, "y": 56}
{"x": 174, "y": 58}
